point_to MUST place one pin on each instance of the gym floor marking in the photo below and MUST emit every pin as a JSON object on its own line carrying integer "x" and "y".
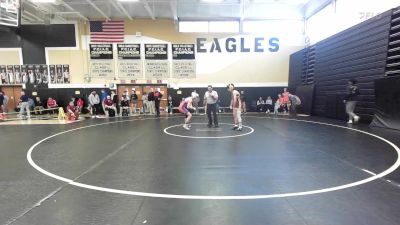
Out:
{"x": 206, "y": 137}
{"x": 221, "y": 197}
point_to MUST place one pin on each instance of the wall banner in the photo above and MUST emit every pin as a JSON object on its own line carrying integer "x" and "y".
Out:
{"x": 101, "y": 61}
{"x": 183, "y": 63}
{"x": 156, "y": 64}
{"x": 129, "y": 61}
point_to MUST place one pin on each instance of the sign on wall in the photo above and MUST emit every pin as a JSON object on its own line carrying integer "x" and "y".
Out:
{"x": 156, "y": 64}
{"x": 183, "y": 63}
{"x": 129, "y": 61}
{"x": 101, "y": 61}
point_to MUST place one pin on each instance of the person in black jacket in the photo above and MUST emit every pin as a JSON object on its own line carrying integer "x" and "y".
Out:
{"x": 351, "y": 100}
{"x": 114, "y": 98}
{"x": 157, "y": 99}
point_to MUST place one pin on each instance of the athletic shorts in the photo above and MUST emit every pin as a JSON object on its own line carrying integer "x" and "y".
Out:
{"x": 183, "y": 110}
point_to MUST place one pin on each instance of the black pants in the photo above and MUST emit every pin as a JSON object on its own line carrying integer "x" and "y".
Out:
{"x": 96, "y": 109}
{"x": 157, "y": 104}
{"x": 212, "y": 108}
{"x": 111, "y": 112}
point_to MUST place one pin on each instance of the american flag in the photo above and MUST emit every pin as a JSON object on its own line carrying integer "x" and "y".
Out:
{"x": 107, "y": 31}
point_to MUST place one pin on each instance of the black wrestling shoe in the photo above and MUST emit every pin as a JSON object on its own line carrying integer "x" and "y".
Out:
{"x": 235, "y": 128}
{"x": 209, "y": 125}
{"x": 216, "y": 126}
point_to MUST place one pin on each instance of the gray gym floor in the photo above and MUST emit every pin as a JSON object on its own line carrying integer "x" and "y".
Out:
{"x": 123, "y": 171}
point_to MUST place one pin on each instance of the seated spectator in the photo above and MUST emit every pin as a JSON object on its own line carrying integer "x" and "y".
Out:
{"x": 125, "y": 105}
{"x": 52, "y": 104}
{"x": 39, "y": 106}
{"x": 31, "y": 104}
{"x": 279, "y": 105}
{"x": 109, "y": 106}
{"x": 260, "y": 105}
{"x": 269, "y": 104}
{"x": 285, "y": 100}
{"x": 80, "y": 104}
{"x": 72, "y": 112}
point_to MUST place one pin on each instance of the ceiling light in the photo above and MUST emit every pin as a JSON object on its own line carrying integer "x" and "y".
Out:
{"x": 43, "y": 1}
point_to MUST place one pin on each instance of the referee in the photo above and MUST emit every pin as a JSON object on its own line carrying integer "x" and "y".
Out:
{"x": 211, "y": 98}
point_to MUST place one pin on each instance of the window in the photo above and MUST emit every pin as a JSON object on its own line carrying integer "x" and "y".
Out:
{"x": 224, "y": 27}
{"x": 193, "y": 26}
{"x": 209, "y": 26}
{"x": 279, "y": 27}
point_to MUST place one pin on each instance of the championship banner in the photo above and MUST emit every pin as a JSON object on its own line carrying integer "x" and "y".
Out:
{"x": 31, "y": 75}
{"x": 128, "y": 51}
{"x": 17, "y": 74}
{"x": 66, "y": 74}
{"x": 59, "y": 75}
{"x": 156, "y": 64}
{"x": 3, "y": 74}
{"x": 52, "y": 70}
{"x": 24, "y": 74}
{"x": 45, "y": 74}
{"x": 10, "y": 74}
{"x": 183, "y": 63}
{"x": 129, "y": 61}
{"x": 101, "y": 63}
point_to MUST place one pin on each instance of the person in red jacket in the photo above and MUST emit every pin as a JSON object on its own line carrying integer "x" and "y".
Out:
{"x": 72, "y": 112}
{"x": 80, "y": 103}
{"x": 52, "y": 104}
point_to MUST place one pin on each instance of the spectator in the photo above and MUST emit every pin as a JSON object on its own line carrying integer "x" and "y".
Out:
{"x": 145, "y": 103}
{"x": 109, "y": 106}
{"x": 285, "y": 100}
{"x": 72, "y": 112}
{"x": 260, "y": 105}
{"x": 294, "y": 102}
{"x": 134, "y": 100}
{"x": 80, "y": 103}
{"x": 103, "y": 97}
{"x": 150, "y": 98}
{"x": 94, "y": 104}
{"x": 52, "y": 104}
{"x": 39, "y": 106}
{"x": 125, "y": 105}
{"x": 269, "y": 105}
{"x": 114, "y": 98}
{"x": 24, "y": 106}
{"x": 243, "y": 99}
{"x": 279, "y": 105}
{"x": 2, "y": 107}
{"x": 157, "y": 99}
{"x": 351, "y": 100}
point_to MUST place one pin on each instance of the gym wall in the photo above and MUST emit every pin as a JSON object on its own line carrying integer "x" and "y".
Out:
{"x": 52, "y": 44}
{"x": 359, "y": 52}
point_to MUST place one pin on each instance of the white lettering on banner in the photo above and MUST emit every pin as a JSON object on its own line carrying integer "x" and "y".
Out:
{"x": 182, "y": 69}
{"x": 102, "y": 69}
{"x": 130, "y": 69}
{"x": 157, "y": 69}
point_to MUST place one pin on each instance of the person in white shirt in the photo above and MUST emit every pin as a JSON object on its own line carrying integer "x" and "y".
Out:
{"x": 210, "y": 99}
{"x": 260, "y": 105}
{"x": 269, "y": 104}
{"x": 94, "y": 103}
